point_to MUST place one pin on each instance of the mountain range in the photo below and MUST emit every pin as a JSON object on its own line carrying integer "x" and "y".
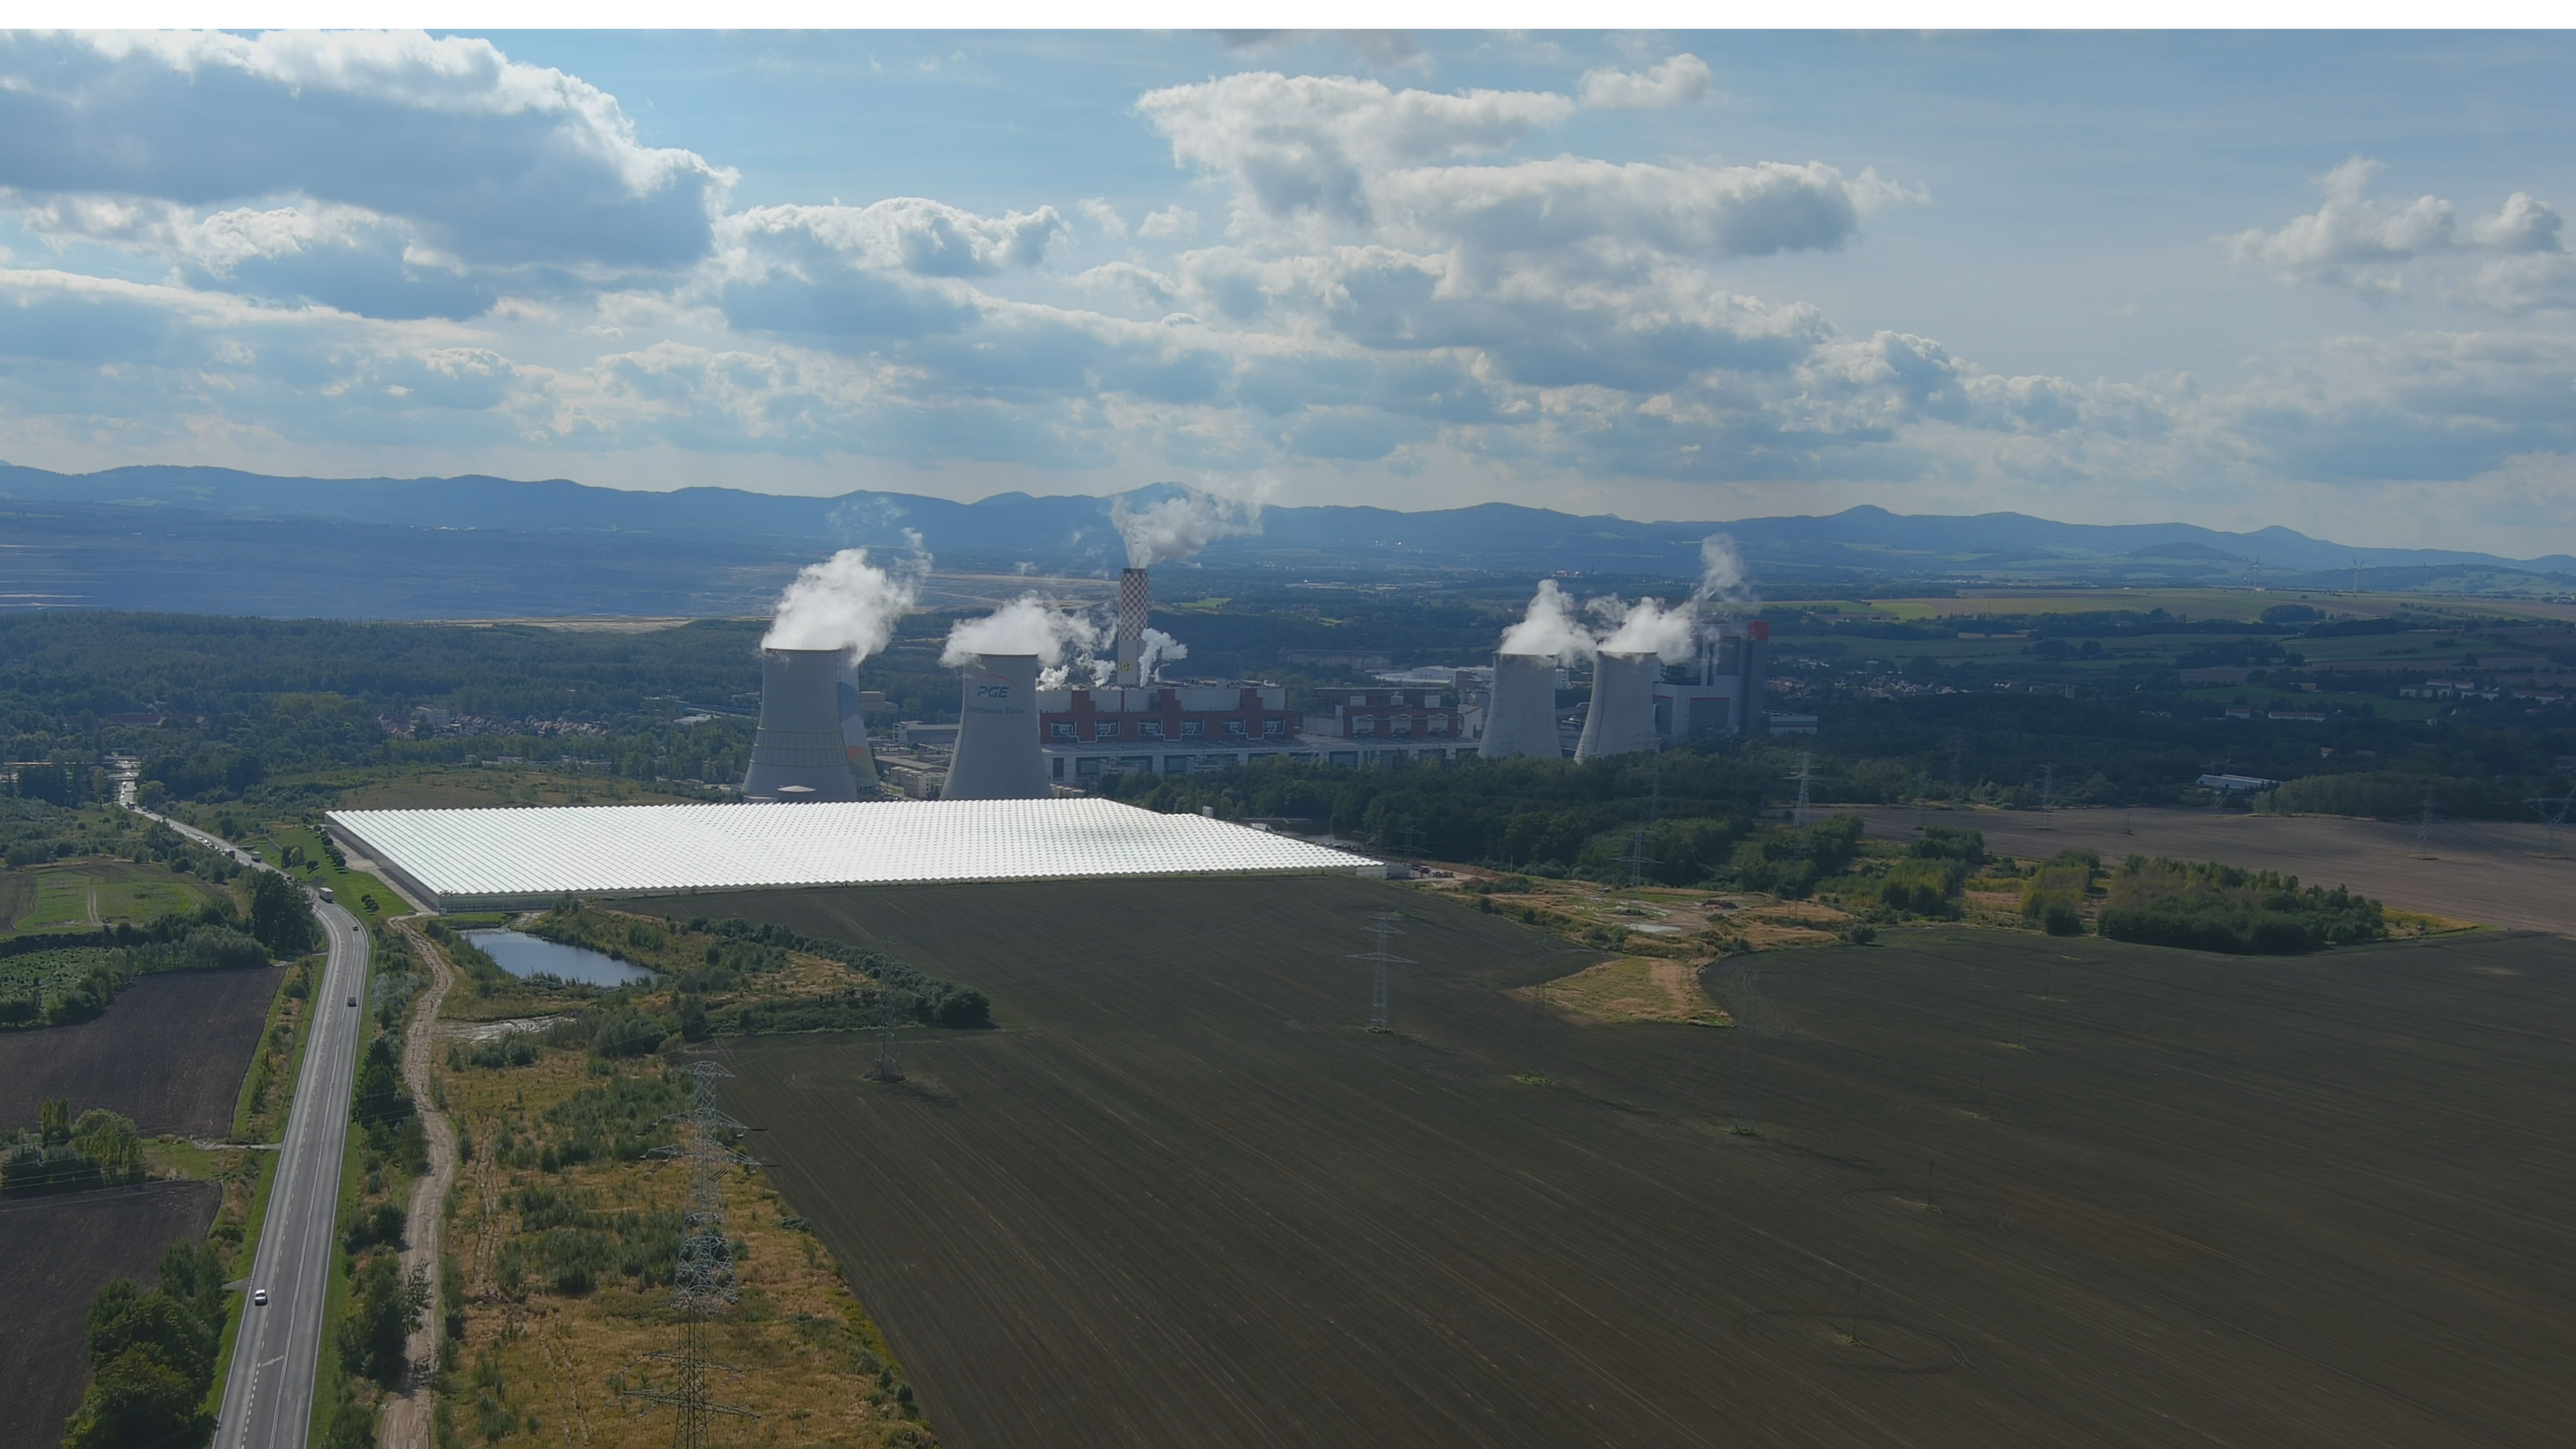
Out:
{"x": 218, "y": 540}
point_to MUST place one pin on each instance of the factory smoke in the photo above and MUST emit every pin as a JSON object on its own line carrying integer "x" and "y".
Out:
{"x": 1178, "y": 527}
{"x": 1028, "y": 624}
{"x": 1159, "y": 649}
{"x": 846, "y": 602}
{"x": 1647, "y": 627}
{"x": 1723, "y": 581}
{"x": 1550, "y": 628}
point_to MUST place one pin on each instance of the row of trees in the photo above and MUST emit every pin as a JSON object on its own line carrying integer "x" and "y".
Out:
{"x": 2204, "y": 906}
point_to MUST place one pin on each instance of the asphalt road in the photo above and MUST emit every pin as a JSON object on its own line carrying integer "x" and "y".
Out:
{"x": 268, "y": 1399}
{"x": 268, "y": 1396}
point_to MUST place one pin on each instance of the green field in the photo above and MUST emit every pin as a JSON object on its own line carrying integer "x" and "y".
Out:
{"x": 82, "y": 894}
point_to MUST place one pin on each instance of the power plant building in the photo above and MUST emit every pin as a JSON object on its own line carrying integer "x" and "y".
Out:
{"x": 799, "y": 752}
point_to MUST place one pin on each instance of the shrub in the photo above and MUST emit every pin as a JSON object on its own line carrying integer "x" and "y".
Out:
{"x": 1925, "y": 887}
{"x": 2212, "y": 907}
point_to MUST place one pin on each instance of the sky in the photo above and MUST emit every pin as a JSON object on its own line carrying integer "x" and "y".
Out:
{"x": 2318, "y": 280}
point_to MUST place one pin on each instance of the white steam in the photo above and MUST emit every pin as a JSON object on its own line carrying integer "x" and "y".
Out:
{"x": 1155, "y": 650}
{"x": 845, "y": 602}
{"x": 1645, "y": 627}
{"x": 1178, "y": 527}
{"x": 1555, "y": 626}
{"x": 1723, "y": 581}
{"x": 1026, "y": 625}
{"x": 1550, "y": 628}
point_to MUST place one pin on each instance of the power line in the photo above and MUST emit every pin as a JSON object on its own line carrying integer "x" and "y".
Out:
{"x": 702, "y": 1281}
{"x": 2553, "y": 813}
{"x": 1805, "y": 778}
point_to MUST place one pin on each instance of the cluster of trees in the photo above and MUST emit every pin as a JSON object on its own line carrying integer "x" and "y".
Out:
{"x": 705, "y": 957}
{"x": 2210, "y": 907}
{"x": 66, "y": 1154}
{"x": 2053, "y": 898}
{"x": 59, "y": 996}
{"x": 152, "y": 1356}
{"x": 1932, "y": 879}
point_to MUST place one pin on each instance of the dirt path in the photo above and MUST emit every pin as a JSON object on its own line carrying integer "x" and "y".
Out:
{"x": 93, "y": 905}
{"x": 405, "y": 1424}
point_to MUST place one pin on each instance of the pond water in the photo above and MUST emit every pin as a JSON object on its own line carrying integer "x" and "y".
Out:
{"x": 521, "y": 954}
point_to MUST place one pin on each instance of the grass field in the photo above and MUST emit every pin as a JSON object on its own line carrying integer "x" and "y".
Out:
{"x": 169, "y": 1052}
{"x": 2004, "y": 1189}
{"x": 55, "y": 1254}
{"x": 85, "y": 894}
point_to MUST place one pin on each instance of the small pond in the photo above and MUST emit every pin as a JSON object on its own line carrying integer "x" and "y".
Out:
{"x": 525, "y": 955}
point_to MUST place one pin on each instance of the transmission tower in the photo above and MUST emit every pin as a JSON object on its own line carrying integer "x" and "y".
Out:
{"x": 1383, "y": 923}
{"x": 702, "y": 1283}
{"x": 2048, "y": 796}
{"x": 1958, "y": 753}
{"x": 2553, "y": 813}
{"x": 887, "y": 1067}
{"x": 1806, "y": 779}
{"x": 2424, "y": 828}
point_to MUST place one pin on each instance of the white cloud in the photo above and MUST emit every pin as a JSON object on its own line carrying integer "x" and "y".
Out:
{"x": 1105, "y": 216}
{"x": 2364, "y": 242}
{"x": 1676, "y": 81}
{"x": 1168, "y": 223}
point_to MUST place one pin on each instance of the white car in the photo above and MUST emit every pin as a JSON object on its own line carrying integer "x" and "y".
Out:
{"x": 260, "y": 1298}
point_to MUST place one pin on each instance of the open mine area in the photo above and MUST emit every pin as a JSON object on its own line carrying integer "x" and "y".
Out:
{"x": 1958, "y": 1187}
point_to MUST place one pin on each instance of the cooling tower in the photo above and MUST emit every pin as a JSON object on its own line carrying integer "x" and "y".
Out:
{"x": 797, "y": 752}
{"x": 854, "y": 735}
{"x": 1520, "y": 718}
{"x": 1622, "y": 718}
{"x": 1133, "y": 606}
{"x": 997, "y": 735}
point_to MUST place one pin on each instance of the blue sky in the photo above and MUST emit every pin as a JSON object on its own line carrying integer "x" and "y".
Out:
{"x": 2317, "y": 280}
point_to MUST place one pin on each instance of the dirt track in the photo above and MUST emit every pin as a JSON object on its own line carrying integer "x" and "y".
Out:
{"x": 55, "y": 1254}
{"x": 169, "y": 1052}
{"x": 2007, "y": 1189}
{"x": 2485, "y": 871}
{"x": 406, "y": 1420}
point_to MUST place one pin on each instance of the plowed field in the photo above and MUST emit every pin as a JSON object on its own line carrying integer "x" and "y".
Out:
{"x": 169, "y": 1052}
{"x": 2006, "y": 1190}
{"x": 54, "y": 1254}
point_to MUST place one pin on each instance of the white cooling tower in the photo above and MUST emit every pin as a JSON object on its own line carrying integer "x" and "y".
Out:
{"x": 1622, "y": 718}
{"x": 1520, "y": 719}
{"x": 854, "y": 733}
{"x": 797, "y": 754}
{"x": 997, "y": 734}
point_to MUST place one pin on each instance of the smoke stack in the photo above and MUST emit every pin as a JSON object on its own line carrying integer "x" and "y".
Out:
{"x": 997, "y": 733}
{"x": 797, "y": 753}
{"x": 1622, "y": 718}
{"x": 1754, "y": 675}
{"x": 1133, "y": 605}
{"x": 1520, "y": 718}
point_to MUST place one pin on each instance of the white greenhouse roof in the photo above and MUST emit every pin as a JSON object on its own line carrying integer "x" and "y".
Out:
{"x": 485, "y": 859}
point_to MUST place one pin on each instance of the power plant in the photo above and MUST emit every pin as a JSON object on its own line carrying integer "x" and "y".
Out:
{"x": 1726, "y": 696}
{"x": 1621, "y": 720}
{"x": 1520, "y": 711}
{"x": 1134, "y": 605}
{"x": 997, "y": 733}
{"x": 798, "y": 754}
{"x": 854, "y": 728}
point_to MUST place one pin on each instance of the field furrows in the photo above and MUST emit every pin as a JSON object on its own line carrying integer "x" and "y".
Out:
{"x": 2006, "y": 1189}
{"x": 169, "y": 1052}
{"x": 55, "y": 1253}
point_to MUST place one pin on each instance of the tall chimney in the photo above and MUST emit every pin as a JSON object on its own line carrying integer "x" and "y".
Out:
{"x": 1520, "y": 717}
{"x": 1622, "y": 718}
{"x": 796, "y": 754}
{"x": 997, "y": 733}
{"x": 1132, "y": 609}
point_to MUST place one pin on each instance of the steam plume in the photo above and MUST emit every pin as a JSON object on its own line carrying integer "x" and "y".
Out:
{"x": 1178, "y": 527}
{"x": 1549, "y": 627}
{"x": 845, "y": 602}
{"x": 1645, "y": 627}
{"x": 1026, "y": 625}
{"x": 1160, "y": 649}
{"x": 1722, "y": 577}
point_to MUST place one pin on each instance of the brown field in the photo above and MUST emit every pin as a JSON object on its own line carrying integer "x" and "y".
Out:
{"x": 1632, "y": 988}
{"x": 54, "y": 1255}
{"x": 2490, "y": 872}
{"x": 169, "y": 1052}
{"x": 2005, "y": 1189}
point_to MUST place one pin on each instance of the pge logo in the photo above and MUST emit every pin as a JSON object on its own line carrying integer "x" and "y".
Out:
{"x": 994, "y": 689}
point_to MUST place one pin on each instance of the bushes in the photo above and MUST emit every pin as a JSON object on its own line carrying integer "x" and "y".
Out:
{"x": 2210, "y": 907}
{"x": 2053, "y": 897}
{"x": 2391, "y": 795}
{"x": 1788, "y": 864}
{"x": 102, "y": 1149}
{"x": 1925, "y": 887}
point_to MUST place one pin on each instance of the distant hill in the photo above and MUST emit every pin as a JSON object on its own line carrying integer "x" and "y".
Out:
{"x": 217, "y": 540}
